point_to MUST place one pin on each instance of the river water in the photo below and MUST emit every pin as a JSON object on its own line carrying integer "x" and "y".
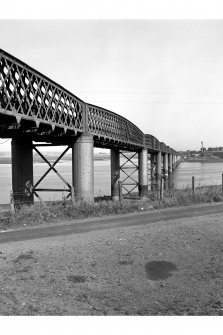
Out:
{"x": 204, "y": 173}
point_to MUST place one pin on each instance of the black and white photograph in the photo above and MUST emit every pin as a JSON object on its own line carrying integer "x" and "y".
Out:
{"x": 111, "y": 167}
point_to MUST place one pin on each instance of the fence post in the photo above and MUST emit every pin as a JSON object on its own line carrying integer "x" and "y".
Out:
{"x": 161, "y": 188}
{"x": 193, "y": 185}
{"x": 120, "y": 191}
{"x": 12, "y": 201}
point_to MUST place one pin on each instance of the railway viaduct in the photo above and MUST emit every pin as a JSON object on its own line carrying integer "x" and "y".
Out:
{"x": 35, "y": 109}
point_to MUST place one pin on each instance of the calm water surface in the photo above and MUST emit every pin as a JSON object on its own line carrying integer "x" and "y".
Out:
{"x": 205, "y": 174}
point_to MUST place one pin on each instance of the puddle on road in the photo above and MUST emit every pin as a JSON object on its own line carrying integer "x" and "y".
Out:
{"x": 76, "y": 279}
{"x": 25, "y": 269}
{"x": 125, "y": 262}
{"x": 26, "y": 256}
{"x": 156, "y": 270}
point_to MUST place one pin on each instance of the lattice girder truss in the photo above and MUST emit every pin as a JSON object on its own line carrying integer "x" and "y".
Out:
{"x": 129, "y": 173}
{"x": 29, "y": 94}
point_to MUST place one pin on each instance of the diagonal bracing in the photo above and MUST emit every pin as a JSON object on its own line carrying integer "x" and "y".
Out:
{"x": 130, "y": 180}
{"x": 51, "y": 168}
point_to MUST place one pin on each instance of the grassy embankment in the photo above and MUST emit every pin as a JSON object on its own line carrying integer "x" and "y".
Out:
{"x": 40, "y": 213}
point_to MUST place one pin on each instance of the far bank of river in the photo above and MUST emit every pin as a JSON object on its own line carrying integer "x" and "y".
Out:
{"x": 38, "y": 159}
{"x": 204, "y": 161}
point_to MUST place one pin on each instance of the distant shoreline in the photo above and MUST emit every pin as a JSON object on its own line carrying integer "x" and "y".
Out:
{"x": 7, "y": 160}
{"x": 202, "y": 161}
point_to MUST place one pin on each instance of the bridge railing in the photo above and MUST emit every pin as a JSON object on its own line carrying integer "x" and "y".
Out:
{"x": 151, "y": 142}
{"x": 163, "y": 147}
{"x": 102, "y": 122}
{"x": 168, "y": 149}
{"x": 28, "y": 93}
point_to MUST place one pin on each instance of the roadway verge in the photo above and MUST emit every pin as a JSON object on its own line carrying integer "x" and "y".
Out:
{"x": 109, "y": 222}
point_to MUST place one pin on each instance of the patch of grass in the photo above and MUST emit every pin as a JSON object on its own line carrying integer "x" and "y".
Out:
{"x": 184, "y": 197}
{"x": 40, "y": 213}
{"x": 48, "y": 212}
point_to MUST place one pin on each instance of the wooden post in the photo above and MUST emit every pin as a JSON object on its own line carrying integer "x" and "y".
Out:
{"x": 12, "y": 201}
{"x": 161, "y": 188}
{"x": 193, "y": 185}
{"x": 120, "y": 191}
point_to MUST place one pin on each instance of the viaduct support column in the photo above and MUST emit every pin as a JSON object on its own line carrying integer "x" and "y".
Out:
{"x": 143, "y": 173}
{"x": 115, "y": 173}
{"x": 153, "y": 171}
{"x": 165, "y": 163}
{"x": 174, "y": 162}
{"x": 83, "y": 168}
{"x": 170, "y": 163}
{"x": 22, "y": 170}
{"x": 158, "y": 169}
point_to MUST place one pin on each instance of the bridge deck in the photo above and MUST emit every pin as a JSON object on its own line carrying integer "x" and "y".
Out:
{"x": 33, "y": 105}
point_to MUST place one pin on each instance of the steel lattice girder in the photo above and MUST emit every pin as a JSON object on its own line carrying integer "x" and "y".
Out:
{"x": 108, "y": 124}
{"x": 30, "y": 94}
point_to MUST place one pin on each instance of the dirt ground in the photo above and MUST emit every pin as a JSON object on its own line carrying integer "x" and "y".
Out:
{"x": 165, "y": 268}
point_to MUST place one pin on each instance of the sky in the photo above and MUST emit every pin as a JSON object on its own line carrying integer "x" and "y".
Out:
{"x": 166, "y": 76}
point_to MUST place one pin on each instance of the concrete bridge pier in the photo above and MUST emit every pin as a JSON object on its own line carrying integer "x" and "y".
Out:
{"x": 153, "y": 171}
{"x": 178, "y": 158}
{"x": 165, "y": 165}
{"x": 83, "y": 168}
{"x": 170, "y": 164}
{"x": 143, "y": 173}
{"x": 22, "y": 170}
{"x": 115, "y": 173}
{"x": 158, "y": 169}
{"x": 165, "y": 171}
{"x": 173, "y": 162}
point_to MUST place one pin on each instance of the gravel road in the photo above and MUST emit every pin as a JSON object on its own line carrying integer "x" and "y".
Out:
{"x": 171, "y": 267}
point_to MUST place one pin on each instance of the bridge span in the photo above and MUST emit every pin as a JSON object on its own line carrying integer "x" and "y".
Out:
{"x": 34, "y": 109}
